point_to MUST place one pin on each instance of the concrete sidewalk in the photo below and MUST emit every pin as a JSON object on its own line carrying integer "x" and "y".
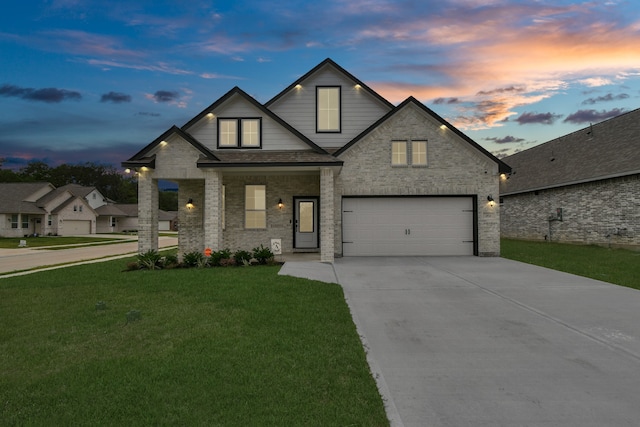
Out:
{"x": 36, "y": 259}
{"x": 468, "y": 341}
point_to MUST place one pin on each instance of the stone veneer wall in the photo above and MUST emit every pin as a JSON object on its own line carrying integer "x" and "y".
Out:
{"x": 603, "y": 212}
{"x": 454, "y": 168}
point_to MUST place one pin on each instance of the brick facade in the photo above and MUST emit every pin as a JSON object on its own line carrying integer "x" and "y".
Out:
{"x": 453, "y": 168}
{"x": 605, "y": 212}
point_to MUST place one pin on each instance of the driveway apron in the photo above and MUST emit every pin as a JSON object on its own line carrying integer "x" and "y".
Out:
{"x": 468, "y": 341}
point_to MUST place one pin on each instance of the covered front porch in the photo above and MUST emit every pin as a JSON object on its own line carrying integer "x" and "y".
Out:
{"x": 240, "y": 208}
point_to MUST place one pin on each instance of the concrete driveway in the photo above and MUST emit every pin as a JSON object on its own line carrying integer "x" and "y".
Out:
{"x": 467, "y": 341}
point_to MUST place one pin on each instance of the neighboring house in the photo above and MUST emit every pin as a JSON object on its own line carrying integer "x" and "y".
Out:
{"x": 40, "y": 208}
{"x": 583, "y": 187}
{"x": 121, "y": 217}
{"x": 327, "y": 165}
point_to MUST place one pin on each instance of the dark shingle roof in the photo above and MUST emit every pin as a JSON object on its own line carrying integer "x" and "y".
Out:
{"x": 13, "y": 194}
{"x": 270, "y": 158}
{"x": 604, "y": 150}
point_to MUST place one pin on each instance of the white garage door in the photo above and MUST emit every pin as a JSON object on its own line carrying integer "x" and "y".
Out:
{"x": 407, "y": 226}
{"x": 76, "y": 227}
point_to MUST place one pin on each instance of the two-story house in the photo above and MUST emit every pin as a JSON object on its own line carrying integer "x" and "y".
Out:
{"x": 326, "y": 165}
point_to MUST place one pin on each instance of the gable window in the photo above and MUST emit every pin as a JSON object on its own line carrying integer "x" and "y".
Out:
{"x": 75, "y": 208}
{"x": 328, "y": 109}
{"x": 49, "y": 220}
{"x": 80, "y": 208}
{"x": 25, "y": 221}
{"x": 239, "y": 133}
{"x": 14, "y": 221}
{"x": 255, "y": 215}
{"x": 419, "y": 153}
{"x": 399, "y": 153}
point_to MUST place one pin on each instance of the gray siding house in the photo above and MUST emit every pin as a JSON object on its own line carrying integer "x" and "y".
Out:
{"x": 327, "y": 165}
{"x": 583, "y": 187}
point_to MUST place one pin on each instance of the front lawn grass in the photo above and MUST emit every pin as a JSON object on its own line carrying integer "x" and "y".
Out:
{"x": 36, "y": 242}
{"x": 218, "y": 346}
{"x": 618, "y": 266}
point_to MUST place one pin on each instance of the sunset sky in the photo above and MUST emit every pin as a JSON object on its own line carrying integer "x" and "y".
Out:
{"x": 85, "y": 80}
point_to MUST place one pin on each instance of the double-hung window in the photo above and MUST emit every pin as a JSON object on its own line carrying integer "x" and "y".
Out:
{"x": 399, "y": 153}
{"x": 328, "y": 109}
{"x": 255, "y": 214}
{"x": 14, "y": 221}
{"x": 409, "y": 153}
{"x": 239, "y": 133}
{"x": 419, "y": 153}
{"x": 25, "y": 221}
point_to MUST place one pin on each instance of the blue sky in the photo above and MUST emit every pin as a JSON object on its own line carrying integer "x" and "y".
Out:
{"x": 85, "y": 80}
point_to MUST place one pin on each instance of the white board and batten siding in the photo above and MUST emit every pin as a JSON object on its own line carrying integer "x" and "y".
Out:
{"x": 408, "y": 226}
{"x": 274, "y": 136}
{"x": 359, "y": 109}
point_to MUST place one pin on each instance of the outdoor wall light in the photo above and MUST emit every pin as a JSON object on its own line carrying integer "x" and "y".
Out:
{"x": 280, "y": 204}
{"x": 490, "y": 199}
{"x": 127, "y": 170}
{"x": 190, "y": 204}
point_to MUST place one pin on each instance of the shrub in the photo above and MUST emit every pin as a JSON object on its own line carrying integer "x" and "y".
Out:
{"x": 262, "y": 255}
{"x": 192, "y": 259}
{"x": 217, "y": 256}
{"x": 150, "y": 260}
{"x": 171, "y": 261}
{"x": 242, "y": 257}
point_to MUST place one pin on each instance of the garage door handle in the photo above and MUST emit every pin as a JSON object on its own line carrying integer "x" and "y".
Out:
{"x": 407, "y": 231}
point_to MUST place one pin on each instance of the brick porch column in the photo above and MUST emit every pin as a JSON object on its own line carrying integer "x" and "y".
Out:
{"x": 213, "y": 210}
{"x": 327, "y": 222}
{"x": 147, "y": 212}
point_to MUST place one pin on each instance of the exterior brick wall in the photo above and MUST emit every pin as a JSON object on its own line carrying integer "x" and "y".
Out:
{"x": 454, "y": 168}
{"x": 279, "y": 221}
{"x": 147, "y": 212}
{"x": 603, "y": 212}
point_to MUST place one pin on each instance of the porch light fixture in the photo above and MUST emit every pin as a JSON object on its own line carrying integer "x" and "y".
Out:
{"x": 127, "y": 170}
{"x": 490, "y": 199}
{"x": 280, "y": 204}
{"x": 190, "y": 204}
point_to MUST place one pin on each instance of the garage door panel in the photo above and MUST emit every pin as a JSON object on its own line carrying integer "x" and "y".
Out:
{"x": 408, "y": 226}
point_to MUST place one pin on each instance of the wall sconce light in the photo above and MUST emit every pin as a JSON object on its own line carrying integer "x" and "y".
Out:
{"x": 490, "y": 199}
{"x": 280, "y": 204}
{"x": 190, "y": 204}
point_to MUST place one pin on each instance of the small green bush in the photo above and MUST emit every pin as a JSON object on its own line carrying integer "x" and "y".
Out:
{"x": 242, "y": 257}
{"x": 262, "y": 255}
{"x": 192, "y": 259}
{"x": 171, "y": 261}
{"x": 150, "y": 260}
{"x": 218, "y": 256}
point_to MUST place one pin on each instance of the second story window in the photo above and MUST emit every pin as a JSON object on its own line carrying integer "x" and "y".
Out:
{"x": 328, "y": 109}
{"x": 239, "y": 133}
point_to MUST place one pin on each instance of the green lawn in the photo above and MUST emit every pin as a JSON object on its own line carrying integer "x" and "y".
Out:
{"x": 36, "y": 242}
{"x": 221, "y": 346}
{"x": 618, "y": 266}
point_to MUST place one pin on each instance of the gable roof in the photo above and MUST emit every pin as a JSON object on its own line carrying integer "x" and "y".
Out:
{"x": 331, "y": 63}
{"x": 141, "y": 159}
{"x": 13, "y": 195}
{"x": 237, "y": 91}
{"x": 605, "y": 150}
{"x": 503, "y": 167}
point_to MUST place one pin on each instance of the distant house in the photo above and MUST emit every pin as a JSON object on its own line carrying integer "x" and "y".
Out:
{"x": 42, "y": 209}
{"x": 327, "y": 165}
{"x": 583, "y": 187}
{"x": 120, "y": 217}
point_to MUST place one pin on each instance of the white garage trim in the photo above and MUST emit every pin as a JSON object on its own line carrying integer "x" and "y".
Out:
{"x": 408, "y": 226}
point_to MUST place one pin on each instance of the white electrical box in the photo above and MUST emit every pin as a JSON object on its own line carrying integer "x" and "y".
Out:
{"x": 276, "y": 246}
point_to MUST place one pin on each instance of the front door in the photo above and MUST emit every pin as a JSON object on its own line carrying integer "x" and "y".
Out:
{"x": 305, "y": 233}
